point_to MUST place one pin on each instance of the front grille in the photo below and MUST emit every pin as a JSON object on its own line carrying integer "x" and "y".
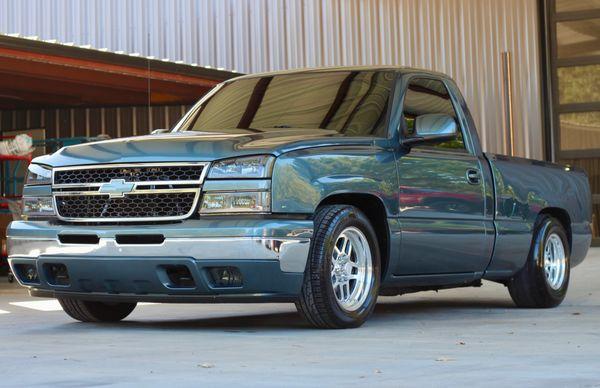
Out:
{"x": 129, "y": 174}
{"x": 127, "y": 193}
{"x": 132, "y": 206}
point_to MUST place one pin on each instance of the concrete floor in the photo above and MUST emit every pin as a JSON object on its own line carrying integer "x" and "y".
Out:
{"x": 455, "y": 337}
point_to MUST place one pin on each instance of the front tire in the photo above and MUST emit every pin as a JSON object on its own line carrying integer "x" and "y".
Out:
{"x": 342, "y": 277}
{"x": 89, "y": 311}
{"x": 544, "y": 280}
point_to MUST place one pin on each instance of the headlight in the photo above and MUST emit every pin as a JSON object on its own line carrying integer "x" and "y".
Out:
{"x": 246, "y": 167}
{"x": 38, "y": 207}
{"x": 38, "y": 175}
{"x": 34, "y": 206}
{"x": 236, "y": 202}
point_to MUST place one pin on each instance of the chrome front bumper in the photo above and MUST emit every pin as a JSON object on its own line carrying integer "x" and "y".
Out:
{"x": 290, "y": 253}
{"x": 271, "y": 254}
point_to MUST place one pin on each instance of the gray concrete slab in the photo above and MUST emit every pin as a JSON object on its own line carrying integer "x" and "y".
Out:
{"x": 466, "y": 336}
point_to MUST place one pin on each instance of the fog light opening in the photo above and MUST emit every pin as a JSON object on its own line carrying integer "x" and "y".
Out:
{"x": 226, "y": 276}
{"x": 27, "y": 273}
{"x": 57, "y": 274}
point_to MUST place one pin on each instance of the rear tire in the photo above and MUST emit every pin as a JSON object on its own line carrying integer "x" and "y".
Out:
{"x": 544, "y": 280}
{"x": 342, "y": 276}
{"x": 89, "y": 311}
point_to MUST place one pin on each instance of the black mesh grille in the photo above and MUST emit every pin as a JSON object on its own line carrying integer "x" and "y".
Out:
{"x": 129, "y": 207}
{"x": 129, "y": 174}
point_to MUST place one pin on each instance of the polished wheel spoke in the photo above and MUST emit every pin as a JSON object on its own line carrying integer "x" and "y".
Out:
{"x": 348, "y": 250}
{"x": 344, "y": 244}
{"x": 337, "y": 253}
{"x": 548, "y": 270}
{"x": 342, "y": 291}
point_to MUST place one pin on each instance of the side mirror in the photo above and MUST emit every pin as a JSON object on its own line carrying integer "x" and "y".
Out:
{"x": 433, "y": 128}
{"x": 159, "y": 131}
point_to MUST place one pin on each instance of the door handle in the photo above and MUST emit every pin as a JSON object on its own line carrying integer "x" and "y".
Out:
{"x": 473, "y": 176}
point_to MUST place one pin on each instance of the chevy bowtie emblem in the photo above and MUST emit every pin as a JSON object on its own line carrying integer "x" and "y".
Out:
{"x": 116, "y": 188}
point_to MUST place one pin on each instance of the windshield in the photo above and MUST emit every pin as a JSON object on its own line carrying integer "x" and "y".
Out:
{"x": 350, "y": 102}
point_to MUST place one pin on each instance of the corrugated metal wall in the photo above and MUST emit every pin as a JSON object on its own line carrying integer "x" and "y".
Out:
{"x": 463, "y": 38}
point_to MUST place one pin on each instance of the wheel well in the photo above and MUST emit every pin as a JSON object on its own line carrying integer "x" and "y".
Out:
{"x": 375, "y": 211}
{"x": 563, "y": 217}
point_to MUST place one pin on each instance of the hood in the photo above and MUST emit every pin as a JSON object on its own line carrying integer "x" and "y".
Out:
{"x": 195, "y": 146}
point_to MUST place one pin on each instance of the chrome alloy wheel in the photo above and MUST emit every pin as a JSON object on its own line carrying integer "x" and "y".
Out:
{"x": 555, "y": 261}
{"x": 351, "y": 269}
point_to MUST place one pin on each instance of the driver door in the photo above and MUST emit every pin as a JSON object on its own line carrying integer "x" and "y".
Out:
{"x": 441, "y": 193}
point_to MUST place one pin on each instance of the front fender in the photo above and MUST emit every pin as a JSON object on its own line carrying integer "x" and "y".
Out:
{"x": 303, "y": 179}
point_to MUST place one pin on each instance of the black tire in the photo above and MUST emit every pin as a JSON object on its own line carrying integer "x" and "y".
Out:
{"x": 317, "y": 301}
{"x": 89, "y": 311}
{"x": 530, "y": 287}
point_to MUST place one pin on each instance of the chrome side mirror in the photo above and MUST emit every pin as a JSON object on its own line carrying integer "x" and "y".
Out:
{"x": 159, "y": 131}
{"x": 433, "y": 128}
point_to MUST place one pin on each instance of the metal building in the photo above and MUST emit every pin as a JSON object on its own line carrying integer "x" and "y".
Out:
{"x": 464, "y": 38}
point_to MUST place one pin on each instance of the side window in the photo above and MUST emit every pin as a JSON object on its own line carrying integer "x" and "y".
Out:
{"x": 427, "y": 96}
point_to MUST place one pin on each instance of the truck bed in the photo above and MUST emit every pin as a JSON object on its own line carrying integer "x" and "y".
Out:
{"x": 523, "y": 188}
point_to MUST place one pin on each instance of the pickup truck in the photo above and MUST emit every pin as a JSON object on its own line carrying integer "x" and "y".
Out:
{"x": 321, "y": 187}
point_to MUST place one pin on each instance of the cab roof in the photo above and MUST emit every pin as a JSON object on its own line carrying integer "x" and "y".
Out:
{"x": 397, "y": 69}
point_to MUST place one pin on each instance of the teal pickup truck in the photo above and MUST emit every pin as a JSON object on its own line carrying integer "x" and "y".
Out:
{"x": 324, "y": 187}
